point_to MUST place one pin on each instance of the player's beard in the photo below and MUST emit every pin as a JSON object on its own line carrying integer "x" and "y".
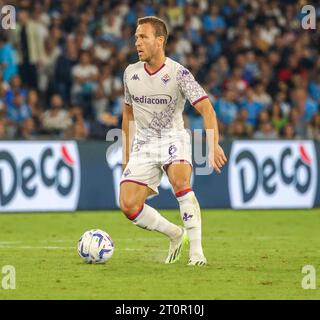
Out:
{"x": 148, "y": 55}
{"x": 144, "y": 58}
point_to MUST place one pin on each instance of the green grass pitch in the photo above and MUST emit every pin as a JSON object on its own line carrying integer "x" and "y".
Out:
{"x": 251, "y": 255}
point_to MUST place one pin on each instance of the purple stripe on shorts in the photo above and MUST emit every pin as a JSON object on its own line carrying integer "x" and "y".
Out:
{"x": 134, "y": 181}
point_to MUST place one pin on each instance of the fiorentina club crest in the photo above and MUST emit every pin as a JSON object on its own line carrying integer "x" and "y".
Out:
{"x": 165, "y": 79}
{"x": 187, "y": 217}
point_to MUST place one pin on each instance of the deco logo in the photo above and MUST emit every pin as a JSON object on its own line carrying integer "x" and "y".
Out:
{"x": 272, "y": 174}
{"x": 38, "y": 176}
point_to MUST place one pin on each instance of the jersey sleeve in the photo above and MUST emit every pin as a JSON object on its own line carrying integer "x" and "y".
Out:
{"x": 189, "y": 87}
{"x": 127, "y": 96}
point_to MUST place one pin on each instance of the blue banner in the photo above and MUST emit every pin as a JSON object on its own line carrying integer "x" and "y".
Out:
{"x": 65, "y": 175}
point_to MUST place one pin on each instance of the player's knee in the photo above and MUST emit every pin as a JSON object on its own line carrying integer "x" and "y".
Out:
{"x": 180, "y": 184}
{"x": 130, "y": 206}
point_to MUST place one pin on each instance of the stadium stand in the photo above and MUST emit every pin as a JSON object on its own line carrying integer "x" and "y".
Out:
{"x": 62, "y": 67}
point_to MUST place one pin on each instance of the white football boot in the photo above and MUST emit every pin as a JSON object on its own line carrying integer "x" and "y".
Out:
{"x": 176, "y": 246}
{"x": 197, "y": 261}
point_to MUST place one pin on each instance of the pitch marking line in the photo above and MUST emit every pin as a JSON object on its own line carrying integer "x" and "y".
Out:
{"x": 64, "y": 248}
{"x": 259, "y": 238}
{"x": 75, "y": 240}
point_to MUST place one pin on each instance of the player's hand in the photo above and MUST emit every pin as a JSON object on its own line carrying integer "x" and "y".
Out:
{"x": 217, "y": 159}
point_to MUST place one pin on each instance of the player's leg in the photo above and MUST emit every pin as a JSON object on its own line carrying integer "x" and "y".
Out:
{"x": 179, "y": 174}
{"x": 132, "y": 204}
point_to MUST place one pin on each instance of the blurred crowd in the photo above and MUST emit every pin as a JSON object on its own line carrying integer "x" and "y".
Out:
{"x": 61, "y": 68}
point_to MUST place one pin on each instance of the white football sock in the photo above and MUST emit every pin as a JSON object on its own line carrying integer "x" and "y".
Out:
{"x": 150, "y": 219}
{"x": 191, "y": 217}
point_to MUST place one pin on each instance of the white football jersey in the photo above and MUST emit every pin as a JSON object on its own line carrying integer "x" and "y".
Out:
{"x": 158, "y": 98}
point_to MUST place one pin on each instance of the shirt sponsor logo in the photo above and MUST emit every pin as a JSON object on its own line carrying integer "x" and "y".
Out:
{"x": 153, "y": 99}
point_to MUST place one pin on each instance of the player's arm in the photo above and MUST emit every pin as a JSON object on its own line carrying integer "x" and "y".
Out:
{"x": 196, "y": 95}
{"x": 217, "y": 157}
{"x": 127, "y": 134}
{"x": 127, "y": 123}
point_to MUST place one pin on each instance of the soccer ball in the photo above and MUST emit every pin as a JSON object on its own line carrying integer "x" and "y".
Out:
{"x": 95, "y": 246}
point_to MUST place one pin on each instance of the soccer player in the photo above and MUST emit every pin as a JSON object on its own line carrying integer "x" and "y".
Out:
{"x": 156, "y": 89}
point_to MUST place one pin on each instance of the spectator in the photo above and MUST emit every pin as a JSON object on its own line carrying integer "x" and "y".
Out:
{"x": 251, "y": 69}
{"x": 85, "y": 76}
{"x": 27, "y": 130}
{"x": 3, "y": 121}
{"x": 213, "y": 47}
{"x": 238, "y": 130}
{"x": 111, "y": 24}
{"x": 36, "y": 110}
{"x": 3, "y": 129}
{"x": 2, "y": 93}
{"x": 314, "y": 87}
{"x": 261, "y": 95}
{"x": 174, "y": 13}
{"x": 278, "y": 120}
{"x": 237, "y": 82}
{"x": 17, "y": 113}
{"x": 125, "y": 43}
{"x": 313, "y": 129}
{"x": 109, "y": 89}
{"x": 213, "y": 21}
{"x": 81, "y": 37}
{"x": 172, "y": 50}
{"x": 47, "y": 65}
{"x": 78, "y": 129}
{"x": 100, "y": 102}
{"x": 238, "y": 29}
{"x": 183, "y": 45}
{"x": 191, "y": 30}
{"x": 30, "y": 45}
{"x": 288, "y": 131}
{"x": 269, "y": 32}
{"x": 112, "y": 86}
{"x": 252, "y": 106}
{"x": 297, "y": 121}
{"x": 266, "y": 131}
{"x": 306, "y": 107}
{"x": 285, "y": 107}
{"x": 243, "y": 117}
{"x": 103, "y": 50}
{"x": 15, "y": 88}
{"x": 56, "y": 119}
{"x": 212, "y": 83}
{"x": 263, "y": 117}
{"x": 41, "y": 19}
{"x": 222, "y": 68}
{"x": 8, "y": 59}
{"x": 226, "y": 107}
{"x": 63, "y": 70}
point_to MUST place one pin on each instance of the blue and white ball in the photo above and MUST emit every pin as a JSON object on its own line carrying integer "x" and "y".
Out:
{"x": 95, "y": 246}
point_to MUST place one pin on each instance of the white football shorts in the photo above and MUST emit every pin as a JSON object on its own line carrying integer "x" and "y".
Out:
{"x": 148, "y": 161}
